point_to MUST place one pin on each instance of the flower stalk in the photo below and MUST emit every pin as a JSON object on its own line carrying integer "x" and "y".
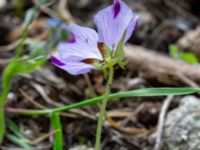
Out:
{"x": 103, "y": 109}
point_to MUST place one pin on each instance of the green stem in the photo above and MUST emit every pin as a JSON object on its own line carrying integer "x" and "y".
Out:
{"x": 58, "y": 137}
{"x": 1, "y": 124}
{"x": 103, "y": 110}
{"x": 3, "y": 98}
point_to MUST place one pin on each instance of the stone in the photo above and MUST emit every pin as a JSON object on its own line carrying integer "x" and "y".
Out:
{"x": 182, "y": 126}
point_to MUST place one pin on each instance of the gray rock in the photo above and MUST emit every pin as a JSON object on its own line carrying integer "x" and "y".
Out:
{"x": 182, "y": 126}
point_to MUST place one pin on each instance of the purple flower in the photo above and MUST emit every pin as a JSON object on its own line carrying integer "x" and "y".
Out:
{"x": 85, "y": 49}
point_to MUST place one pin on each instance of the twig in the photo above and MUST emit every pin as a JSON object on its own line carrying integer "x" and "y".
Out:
{"x": 87, "y": 78}
{"x": 187, "y": 80}
{"x": 9, "y": 47}
{"x": 46, "y": 9}
{"x": 4, "y": 61}
{"x": 83, "y": 114}
{"x": 43, "y": 137}
{"x": 120, "y": 113}
{"x": 42, "y": 92}
{"x": 72, "y": 113}
{"x": 180, "y": 10}
{"x": 38, "y": 105}
{"x": 13, "y": 46}
{"x": 128, "y": 130}
{"x": 158, "y": 67}
{"x": 64, "y": 12}
{"x": 161, "y": 121}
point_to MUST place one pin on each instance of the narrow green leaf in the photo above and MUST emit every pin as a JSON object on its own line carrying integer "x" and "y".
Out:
{"x": 14, "y": 68}
{"x": 58, "y": 136}
{"x": 37, "y": 48}
{"x": 108, "y": 52}
{"x": 135, "y": 93}
{"x": 2, "y": 125}
{"x": 17, "y": 137}
{"x": 119, "y": 53}
{"x": 20, "y": 142}
{"x": 27, "y": 66}
{"x": 116, "y": 96}
{"x": 7, "y": 79}
{"x": 14, "y": 128}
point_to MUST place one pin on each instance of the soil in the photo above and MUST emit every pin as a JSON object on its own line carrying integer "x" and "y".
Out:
{"x": 162, "y": 22}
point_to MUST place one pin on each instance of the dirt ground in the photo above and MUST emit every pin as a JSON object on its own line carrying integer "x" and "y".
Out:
{"x": 131, "y": 121}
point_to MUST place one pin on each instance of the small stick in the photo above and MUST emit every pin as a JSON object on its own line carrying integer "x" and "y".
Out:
{"x": 160, "y": 68}
{"x": 128, "y": 130}
{"x": 87, "y": 78}
{"x": 9, "y": 47}
{"x": 187, "y": 80}
{"x": 43, "y": 137}
{"x": 64, "y": 11}
{"x": 161, "y": 121}
{"x": 5, "y": 61}
{"x": 38, "y": 105}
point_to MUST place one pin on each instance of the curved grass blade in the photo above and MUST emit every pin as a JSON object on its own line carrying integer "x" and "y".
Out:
{"x": 148, "y": 92}
{"x": 23, "y": 143}
{"x": 10, "y": 71}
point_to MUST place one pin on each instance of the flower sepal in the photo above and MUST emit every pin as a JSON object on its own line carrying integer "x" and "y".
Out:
{"x": 106, "y": 65}
{"x": 119, "y": 53}
{"x": 108, "y": 53}
{"x": 122, "y": 64}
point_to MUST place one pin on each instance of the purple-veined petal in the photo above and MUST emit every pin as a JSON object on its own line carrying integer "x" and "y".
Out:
{"x": 112, "y": 22}
{"x": 75, "y": 68}
{"x": 131, "y": 28}
{"x": 57, "y": 61}
{"x": 81, "y": 45}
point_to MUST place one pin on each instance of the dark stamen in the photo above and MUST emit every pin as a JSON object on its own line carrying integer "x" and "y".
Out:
{"x": 89, "y": 60}
{"x": 101, "y": 48}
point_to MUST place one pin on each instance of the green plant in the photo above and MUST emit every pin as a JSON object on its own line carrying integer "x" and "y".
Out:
{"x": 188, "y": 57}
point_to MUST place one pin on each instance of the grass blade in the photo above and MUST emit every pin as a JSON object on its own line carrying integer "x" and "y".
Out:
{"x": 58, "y": 136}
{"x": 135, "y": 93}
{"x": 23, "y": 143}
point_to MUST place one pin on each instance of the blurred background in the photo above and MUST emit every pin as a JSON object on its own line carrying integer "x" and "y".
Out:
{"x": 163, "y": 51}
